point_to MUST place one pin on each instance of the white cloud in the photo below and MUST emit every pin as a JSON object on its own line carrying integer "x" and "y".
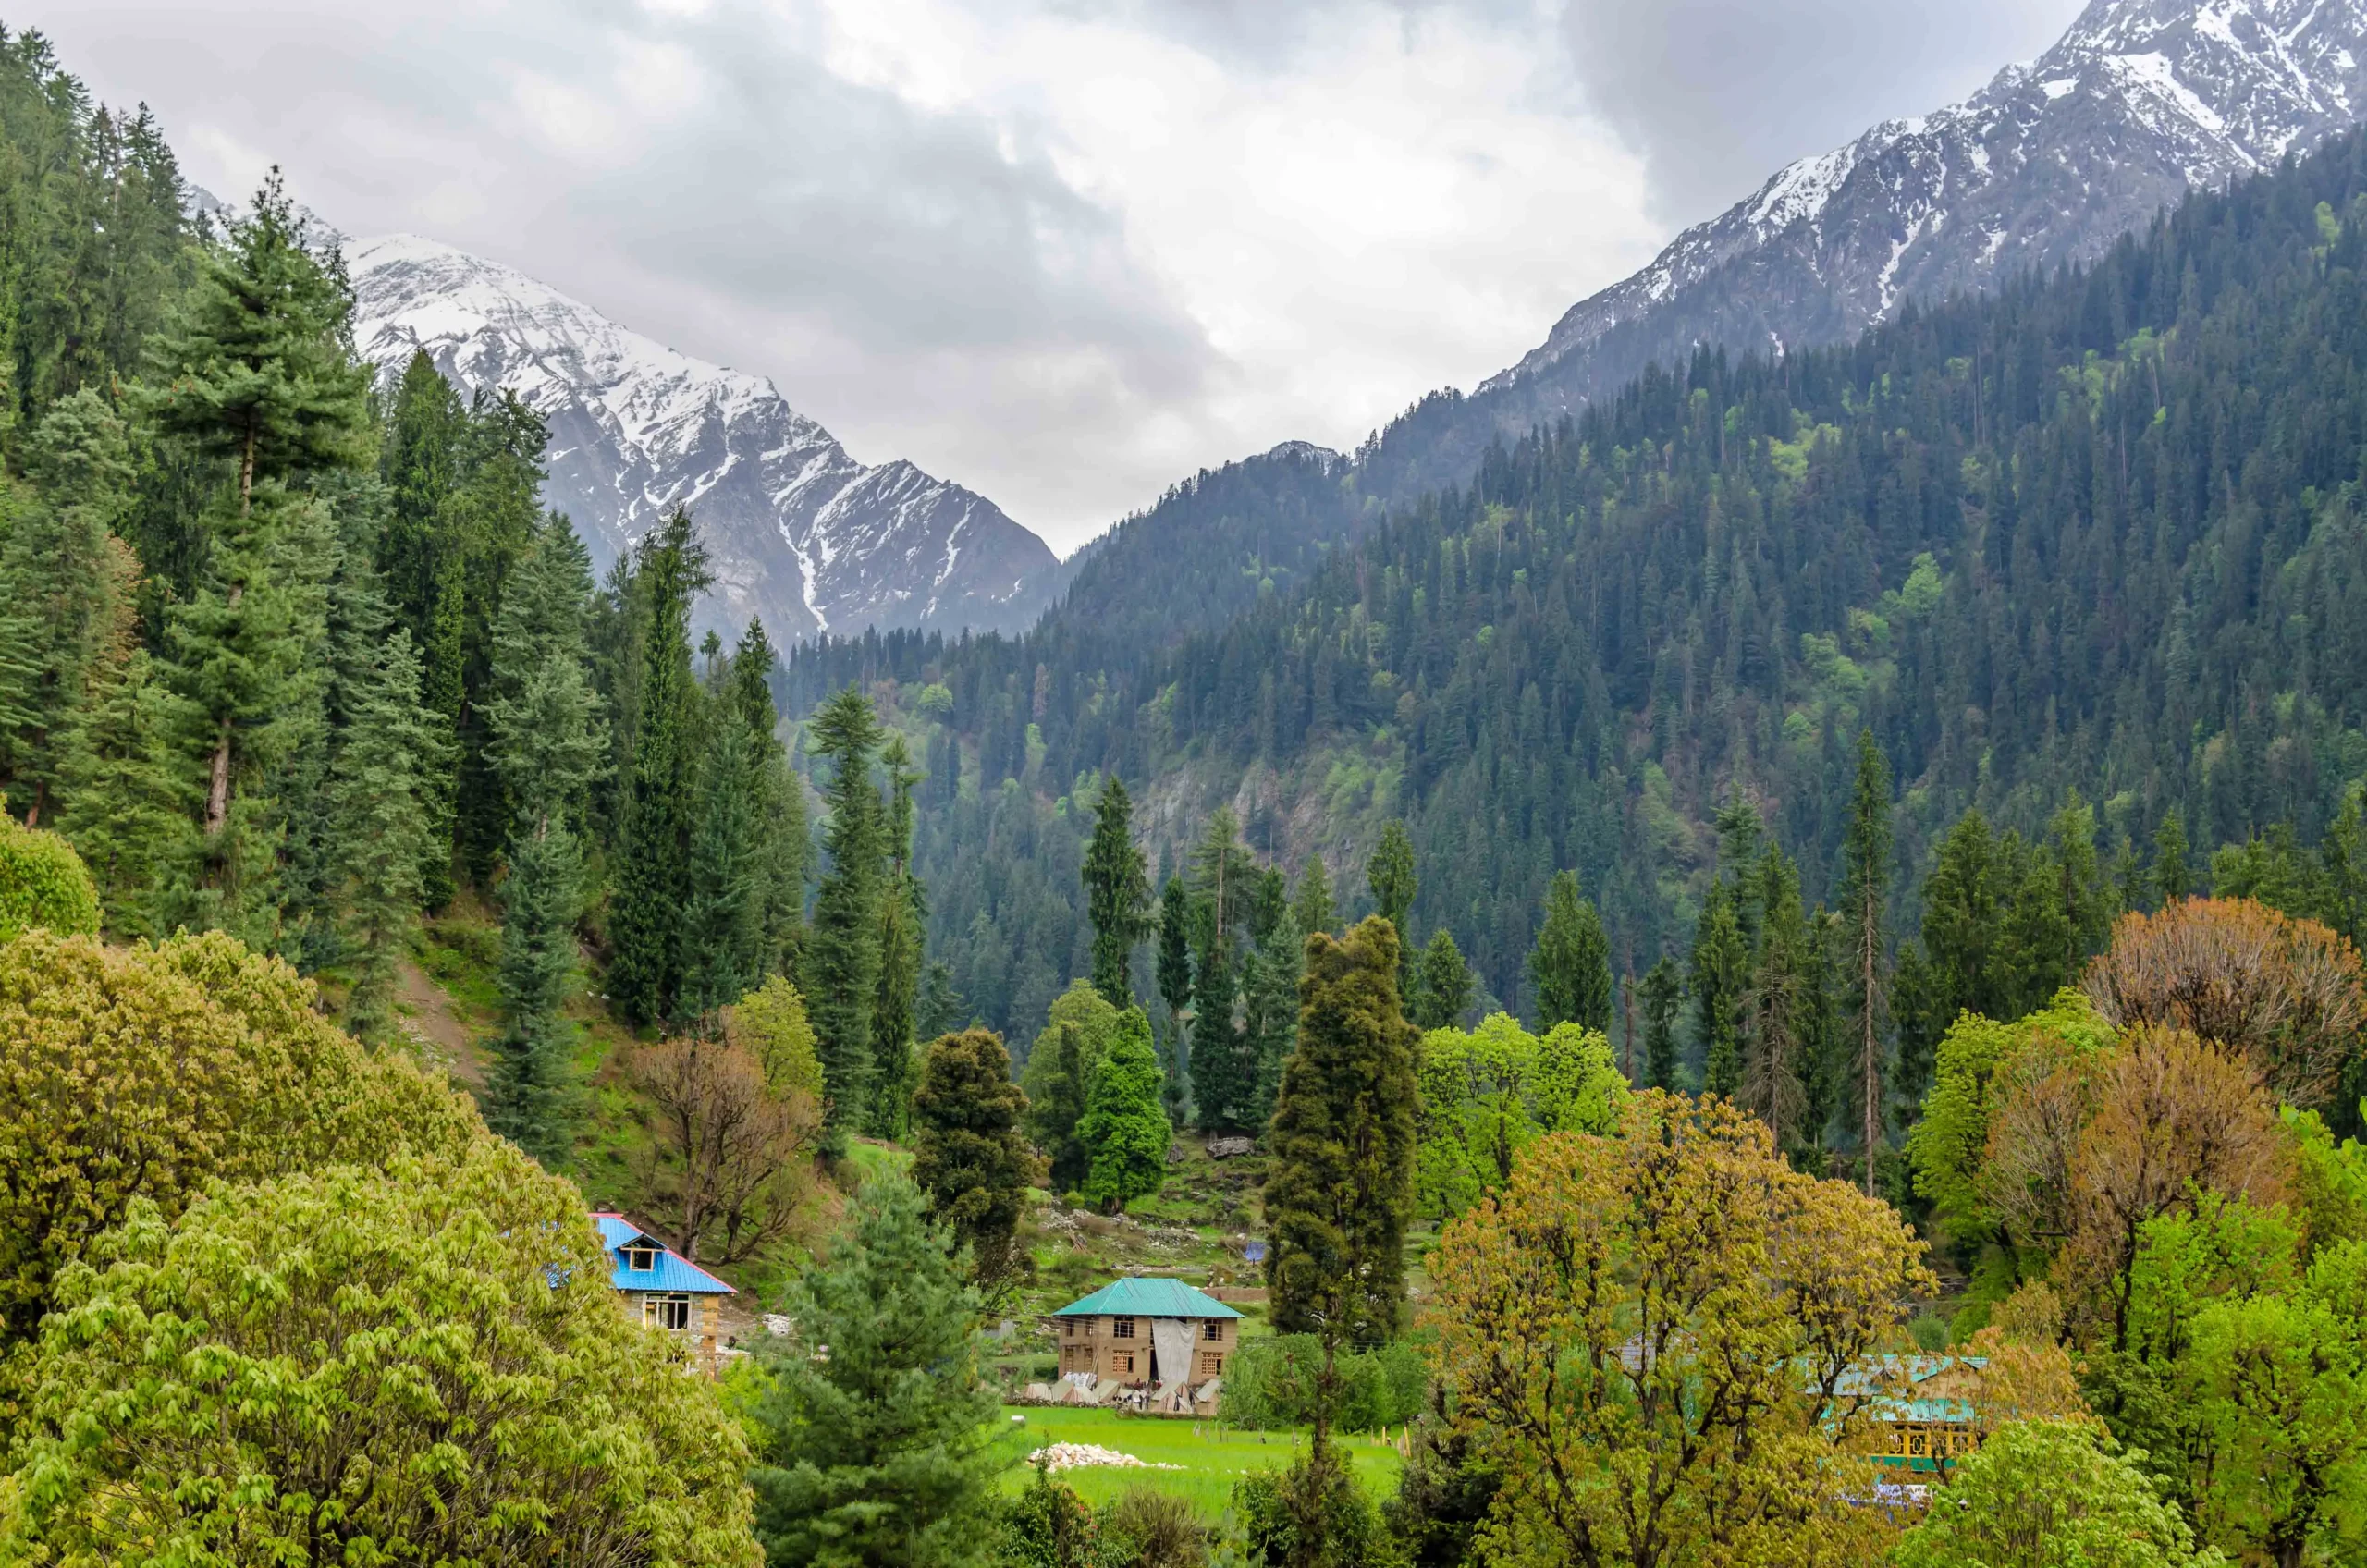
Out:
{"x": 1062, "y": 251}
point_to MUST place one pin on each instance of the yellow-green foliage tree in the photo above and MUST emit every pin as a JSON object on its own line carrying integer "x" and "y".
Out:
{"x": 43, "y": 883}
{"x": 423, "y": 1364}
{"x": 145, "y": 1072}
{"x": 2050, "y": 1494}
{"x": 1490, "y": 1092}
{"x": 1658, "y": 1341}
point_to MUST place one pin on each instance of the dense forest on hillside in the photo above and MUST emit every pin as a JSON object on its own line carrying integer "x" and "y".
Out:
{"x": 2099, "y": 534}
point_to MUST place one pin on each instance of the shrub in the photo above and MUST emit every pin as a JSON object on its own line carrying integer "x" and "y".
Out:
{"x": 1270, "y": 1384}
{"x": 43, "y": 883}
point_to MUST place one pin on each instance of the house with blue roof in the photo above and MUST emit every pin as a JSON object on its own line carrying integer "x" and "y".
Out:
{"x": 1148, "y": 1332}
{"x": 664, "y": 1290}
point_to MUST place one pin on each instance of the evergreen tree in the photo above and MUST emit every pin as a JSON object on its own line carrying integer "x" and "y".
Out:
{"x": 1174, "y": 974}
{"x": 968, "y": 1155}
{"x": 420, "y": 458}
{"x": 1391, "y": 877}
{"x": 1664, "y": 990}
{"x": 126, "y": 802}
{"x": 652, "y": 877}
{"x": 1865, "y": 860}
{"x": 878, "y": 1435}
{"x": 942, "y": 1007}
{"x": 2172, "y": 881}
{"x": 780, "y": 804}
{"x": 1340, "y": 1187}
{"x": 255, "y": 369}
{"x": 843, "y": 949}
{"x": 1776, "y": 1005}
{"x": 1124, "y": 1129}
{"x": 1442, "y": 984}
{"x": 1311, "y": 903}
{"x": 65, "y": 604}
{"x": 377, "y": 794}
{"x": 1270, "y": 977}
{"x": 1721, "y": 959}
{"x": 1116, "y": 893}
{"x": 1224, "y": 1071}
{"x": 723, "y": 925}
{"x": 902, "y": 912}
{"x": 1571, "y": 964}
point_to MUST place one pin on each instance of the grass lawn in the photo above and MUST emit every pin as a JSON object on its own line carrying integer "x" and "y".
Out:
{"x": 1211, "y": 1457}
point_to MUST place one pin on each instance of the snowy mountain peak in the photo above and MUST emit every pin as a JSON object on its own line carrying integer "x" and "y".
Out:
{"x": 2048, "y": 163}
{"x": 799, "y": 534}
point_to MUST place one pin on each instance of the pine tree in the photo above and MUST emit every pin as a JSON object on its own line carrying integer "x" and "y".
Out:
{"x": 1116, "y": 893}
{"x": 1124, "y": 1129}
{"x": 1269, "y": 1008}
{"x": 652, "y": 873}
{"x": 1776, "y": 1063}
{"x": 421, "y": 458}
{"x": 722, "y": 924}
{"x": 1865, "y": 858}
{"x": 902, "y": 916}
{"x": 970, "y": 1156}
{"x": 1311, "y": 903}
{"x": 1664, "y": 990}
{"x": 256, "y": 369}
{"x": 1391, "y": 877}
{"x": 66, "y": 582}
{"x": 842, "y": 947}
{"x": 784, "y": 847}
{"x": 2172, "y": 881}
{"x": 1176, "y": 984}
{"x": 1442, "y": 984}
{"x": 377, "y": 792}
{"x": 880, "y": 1438}
{"x": 1571, "y": 964}
{"x": 1224, "y": 1073}
{"x": 1339, "y": 1192}
{"x": 1721, "y": 959}
{"x": 126, "y": 803}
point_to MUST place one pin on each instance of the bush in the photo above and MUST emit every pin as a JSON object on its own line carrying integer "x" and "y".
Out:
{"x": 420, "y": 1364}
{"x": 1311, "y": 1516}
{"x": 43, "y": 883}
{"x": 1270, "y": 1384}
{"x": 144, "y": 1072}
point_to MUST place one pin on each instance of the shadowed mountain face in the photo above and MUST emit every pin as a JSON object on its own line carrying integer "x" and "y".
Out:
{"x": 800, "y": 532}
{"x": 2048, "y": 164}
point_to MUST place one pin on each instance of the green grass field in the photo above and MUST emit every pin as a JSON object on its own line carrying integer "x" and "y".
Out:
{"x": 1211, "y": 1457}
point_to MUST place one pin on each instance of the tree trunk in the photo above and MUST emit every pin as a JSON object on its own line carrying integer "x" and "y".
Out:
{"x": 217, "y": 793}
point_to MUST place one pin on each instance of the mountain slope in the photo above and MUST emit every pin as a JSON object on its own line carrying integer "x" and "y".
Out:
{"x": 800, "y": 532}
{"x": 2048, "y": 164}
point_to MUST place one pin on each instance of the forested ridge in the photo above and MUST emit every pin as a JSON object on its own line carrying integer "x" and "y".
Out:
{"x": 2098, "y": 535}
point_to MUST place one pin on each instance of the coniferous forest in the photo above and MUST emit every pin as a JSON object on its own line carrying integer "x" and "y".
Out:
{"x": 1767, "y": 974}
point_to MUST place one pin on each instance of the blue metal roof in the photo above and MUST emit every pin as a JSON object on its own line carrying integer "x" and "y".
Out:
{"x": 1148, "y": 1298}
{"x": 672, "y": 1271}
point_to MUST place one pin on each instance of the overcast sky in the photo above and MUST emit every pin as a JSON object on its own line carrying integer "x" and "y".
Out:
{"x": 1063, "y": 251}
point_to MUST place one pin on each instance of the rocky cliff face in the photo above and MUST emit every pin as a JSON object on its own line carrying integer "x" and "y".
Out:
{"x": 800, "y": 532}
{"x": 2047, "y": 164}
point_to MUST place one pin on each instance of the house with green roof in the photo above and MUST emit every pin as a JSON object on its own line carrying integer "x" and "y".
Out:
{"x": 1148, "y": 1332}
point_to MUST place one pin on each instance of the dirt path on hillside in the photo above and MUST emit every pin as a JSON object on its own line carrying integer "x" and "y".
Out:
{"x": 426, "y": 1015}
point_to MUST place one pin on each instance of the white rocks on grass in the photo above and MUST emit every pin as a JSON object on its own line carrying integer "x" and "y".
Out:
{"x": 1057, "y": 1457}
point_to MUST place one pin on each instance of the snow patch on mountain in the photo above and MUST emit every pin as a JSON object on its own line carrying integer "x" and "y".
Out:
{"x": 799, "y": 534}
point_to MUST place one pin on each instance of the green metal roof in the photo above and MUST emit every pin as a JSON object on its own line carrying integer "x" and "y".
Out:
{"x": 1148, "y": 1298}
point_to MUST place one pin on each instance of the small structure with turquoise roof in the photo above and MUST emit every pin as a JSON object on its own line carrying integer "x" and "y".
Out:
{"x": 1148, "y": 1332}
{"x": 661, "y": 1288}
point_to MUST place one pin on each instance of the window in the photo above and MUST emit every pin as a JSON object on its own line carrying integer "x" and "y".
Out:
{"x": 1122, "y": 1329}
{"x": 1068, "y": 1328}
{"x": 1122, "y": 1364}
{"x": 1211, "y": 1363}
{"x": 640, "y": 1260}
{"x": 1212, "y": 1329}
{"x": 665, "y": 1312}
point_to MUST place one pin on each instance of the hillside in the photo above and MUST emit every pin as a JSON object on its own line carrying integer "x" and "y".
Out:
{"x": 2100, "y": 529}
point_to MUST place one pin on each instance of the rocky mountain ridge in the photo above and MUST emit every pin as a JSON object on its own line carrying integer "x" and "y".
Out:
{"x": 799, "y": 534}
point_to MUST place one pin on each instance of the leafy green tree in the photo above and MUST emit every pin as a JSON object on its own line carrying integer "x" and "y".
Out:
{"x": 1340, "y": 1188}
{"x": 303, "y": 1352}
{"x": 43, "y": 884}
{"x": 1116, "y": 893}
{"x": 1442, "y": 984}
{"x": 144, "y": 1072}
{"x": 1124, "y": 1129}
{"x": 970, "y": 1155}
{"x": 2052, "y": 1494}
{"x": 1570, "y": 964}
{"x": 842, "y": 950}
{"x": 255, "y": 367}
{"x": 1059, "y": 1078}
{"x": 653, "y": 858}
{"x": 1488, "y": 1094}
{"x": 876, "y": 1435}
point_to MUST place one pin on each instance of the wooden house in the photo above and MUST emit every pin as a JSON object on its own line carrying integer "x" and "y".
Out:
{"x": 663, "y": 1289}
{"x": 1148, "y": 1332}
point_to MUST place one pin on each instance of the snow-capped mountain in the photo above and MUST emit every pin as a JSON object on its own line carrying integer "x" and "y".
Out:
{"x": 2049, "y": 163}
{"x": 799, "y": 533}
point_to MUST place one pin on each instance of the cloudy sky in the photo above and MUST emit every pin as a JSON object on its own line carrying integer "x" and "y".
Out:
{"x": 1063, "y": 251}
